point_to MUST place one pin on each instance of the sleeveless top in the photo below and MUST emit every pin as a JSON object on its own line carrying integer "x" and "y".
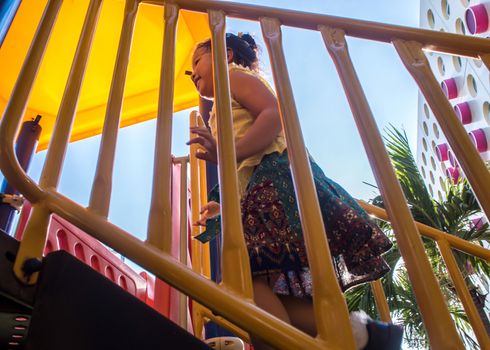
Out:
{"x": 242, "y": 120}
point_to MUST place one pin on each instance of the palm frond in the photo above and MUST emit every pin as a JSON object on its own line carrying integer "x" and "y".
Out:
{"x": 451, "y": 215}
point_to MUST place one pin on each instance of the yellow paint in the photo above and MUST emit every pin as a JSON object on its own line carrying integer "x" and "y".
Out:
{"x": 141, "y": 92}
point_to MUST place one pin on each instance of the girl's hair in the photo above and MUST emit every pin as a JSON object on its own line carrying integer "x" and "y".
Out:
{"x": 243, "y": 46}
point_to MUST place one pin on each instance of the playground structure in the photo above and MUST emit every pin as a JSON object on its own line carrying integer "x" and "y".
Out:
{"x": 230, "y": 303}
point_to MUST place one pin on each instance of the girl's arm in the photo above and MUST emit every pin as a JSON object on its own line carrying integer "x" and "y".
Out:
{"x": 253, "y": 95}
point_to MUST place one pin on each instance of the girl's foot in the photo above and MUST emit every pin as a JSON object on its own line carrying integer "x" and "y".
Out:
{"x": 375, "y": 335}
{"x": 383, "y": 336}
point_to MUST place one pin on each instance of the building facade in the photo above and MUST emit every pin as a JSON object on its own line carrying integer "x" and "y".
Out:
{"x": 466, "y": 83}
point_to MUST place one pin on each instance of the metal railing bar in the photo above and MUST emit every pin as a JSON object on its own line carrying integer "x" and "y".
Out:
{"x": 432, "y": 40}
{"x": 442, "y": 332}
{"x": 330, "y": 308}
{"x": 160, "y": 218}
{"x": 463, "y": 293}
{"x": 183, "y": 244}
{"x": 224, "y": 301}
{"x": 34, "y": 237}
{"x": 433, "y": 233}
{"x": 17, "y": 104}
{"x": 235, "y": 264}
{"x": 381, "y": 302}
{"x": 100, "y": 196}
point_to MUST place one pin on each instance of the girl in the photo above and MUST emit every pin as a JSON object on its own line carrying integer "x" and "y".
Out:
{"x": 281, "y": 277}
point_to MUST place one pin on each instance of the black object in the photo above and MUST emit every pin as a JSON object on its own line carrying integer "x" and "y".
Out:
{"x": 16, "y": 299}
{"x": 384, "y": 336}
{"x": 77, "y": 308}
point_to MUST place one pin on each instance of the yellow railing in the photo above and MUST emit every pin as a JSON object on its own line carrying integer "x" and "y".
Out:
{"x": 232, "y": 300}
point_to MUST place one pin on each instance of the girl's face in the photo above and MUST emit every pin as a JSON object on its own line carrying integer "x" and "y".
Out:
{"x": 202, "y": 72}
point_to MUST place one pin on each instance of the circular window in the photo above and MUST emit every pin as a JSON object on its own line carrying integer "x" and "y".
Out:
{"x": 431, "y": 176}
{"x": 472, "y": 87}
{"x": 477, "y": 62}
{"x": 433, "y": 163}
{"x": 446, "y": 10}
{"x": 434, "y": 146}
{"x": 439, "y": 195}
{"x": 422, "y": 170}
{"x": 424, "y": 159}
{"x": 441, "y": 182}
{"x": 440, "y": 65}
{"x": 460, "y": 29}
{"x": 457, "y": 63}
{"x": 426, "y": 111}
{"x": 436, "y": 130}
{"x": 431, "y": 191}
{"x": 426, "y": 128}
{"x": 430, "y": 18}
{"x": 486, "y": 111}
{"x": 424, "y": 143}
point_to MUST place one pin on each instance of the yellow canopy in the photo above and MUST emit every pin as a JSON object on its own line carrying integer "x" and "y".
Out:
{"x": 141, "y": 91}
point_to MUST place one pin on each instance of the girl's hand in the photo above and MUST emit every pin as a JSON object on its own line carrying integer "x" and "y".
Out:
{"x": 208, "y": 211}
{"x": 206, "y": 140}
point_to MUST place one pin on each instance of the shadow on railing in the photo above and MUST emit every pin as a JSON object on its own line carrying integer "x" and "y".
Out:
{"x": 232, "y": 299}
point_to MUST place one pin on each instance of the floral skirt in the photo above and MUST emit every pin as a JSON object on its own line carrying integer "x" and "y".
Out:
{"x": 274, "y": 236}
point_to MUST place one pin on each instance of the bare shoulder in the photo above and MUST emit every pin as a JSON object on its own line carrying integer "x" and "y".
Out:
{"x": 250, "y": 91}
{"x": 240, "y": 77}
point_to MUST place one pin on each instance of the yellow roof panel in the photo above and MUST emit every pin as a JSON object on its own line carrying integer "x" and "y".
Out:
{"x": 142, "y": 83}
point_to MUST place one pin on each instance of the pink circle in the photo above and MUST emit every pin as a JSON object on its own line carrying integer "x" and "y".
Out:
{"x": 479, "y": 139}
{"x": 463, "y": 111}
{"x": 452, "y": 159}
{"x": 450, "y": 88}
{"x": 453, "y": 174}
{"x": 442, "y": 152}
{"x": 477, "y": 19}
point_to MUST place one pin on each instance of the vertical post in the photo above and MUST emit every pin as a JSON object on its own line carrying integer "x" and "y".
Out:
{"x": 35, "y": 235}
{"x": 236, "y": 265}
{"x": 183, "y": 235}
{"x": 331, "y": 312}
{"x": 160, "y": 220}
{"x": 100, "y": 197}
{"x": 205, "y": 253}
{"x": 381, "y": 303}
{"x": 440, "y": 327}
{"x": 24, "y": 150}
{"x": 463, "y": 293}
{"x": 16, "y": 106}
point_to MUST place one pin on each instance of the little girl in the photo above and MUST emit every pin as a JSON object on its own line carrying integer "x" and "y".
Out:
{"x": 281, "y": 276}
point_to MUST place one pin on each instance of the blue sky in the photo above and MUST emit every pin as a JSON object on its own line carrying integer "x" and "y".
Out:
{"x": 328, "y": 126}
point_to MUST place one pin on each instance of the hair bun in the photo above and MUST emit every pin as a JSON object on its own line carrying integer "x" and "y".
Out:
{"x": 250, "y": 40}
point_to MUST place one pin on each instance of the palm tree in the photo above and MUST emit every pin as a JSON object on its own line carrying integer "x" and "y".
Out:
{"x": 451, "y": 215}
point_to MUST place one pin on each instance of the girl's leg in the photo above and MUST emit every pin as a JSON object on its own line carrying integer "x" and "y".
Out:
{"x": 268, "y": 301}
{"x": 300, "y": 312}
{"x": 302, "y": 316}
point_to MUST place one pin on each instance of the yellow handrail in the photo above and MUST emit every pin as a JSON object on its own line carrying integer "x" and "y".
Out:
{"x": 331, "y": 312}
{"x": 232, "y": 300}
{"x": 446, "y": 243}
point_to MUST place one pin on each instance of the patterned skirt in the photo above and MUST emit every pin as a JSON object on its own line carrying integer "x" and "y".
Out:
{"x": 274, "y": 236}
